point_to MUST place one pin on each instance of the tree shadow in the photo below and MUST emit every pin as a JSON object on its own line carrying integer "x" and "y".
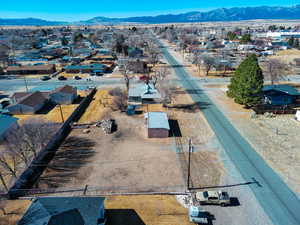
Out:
{"x": 179, "y": 66}
{"x": 46, "y": 108}
{"x": 194, "y": 91}
{"x": 234, "y": 202}
{"x": 123, "y": 217}
{"x": 73, "y": 154}
{"x": 194, "y": 107}
{"x": 78, "y": 100}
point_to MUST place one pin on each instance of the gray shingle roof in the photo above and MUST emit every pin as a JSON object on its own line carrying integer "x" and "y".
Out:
{"x": 33, "y": 99}
{"x": 61, "y": 210}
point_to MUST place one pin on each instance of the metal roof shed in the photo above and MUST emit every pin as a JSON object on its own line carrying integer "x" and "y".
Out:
{"x": 157, "y": 124}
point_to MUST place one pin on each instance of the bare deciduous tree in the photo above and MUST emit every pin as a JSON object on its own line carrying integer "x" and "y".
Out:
{"x": 208, "y": 62}
{"x": 275, "y": 69}
{"x": 154, "y": 53}
{"x": 197, "y": 60}
{"x": 159, "y": 75}
{"x": 166, "y": 89}
{"x": 124, "y": 68}
{"x": 119, "y": 100}
{"x": 21, "y": 146}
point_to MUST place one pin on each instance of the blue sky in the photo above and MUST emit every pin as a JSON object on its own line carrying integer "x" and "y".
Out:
{"x": 74, "y": 10}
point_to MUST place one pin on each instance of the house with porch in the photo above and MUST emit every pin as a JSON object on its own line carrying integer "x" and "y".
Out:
{"x": 280, "y": 95}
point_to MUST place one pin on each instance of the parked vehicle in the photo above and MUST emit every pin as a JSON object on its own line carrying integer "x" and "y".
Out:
{"x": 62, "y": 78}
{"x": 197, "y": 215}
{"x": 44, "y": 78}
{"x": 213, "y": 197}
{"x": 77, "y": 77}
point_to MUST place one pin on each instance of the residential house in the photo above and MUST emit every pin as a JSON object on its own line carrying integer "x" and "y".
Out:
{"x": 33, "y": 69}
{"x": 157, "y": 124}
{"x": 6, "y": 124}
{"x": 29, "y": 104}
{"x": 92, "y": 68}
{"x": 279, "y": 95}
{"x": 65, "y": 211}
{"x": 138, "y": 66}
{"x": 143, "y": 94}
{"x": 64, "y": 95}
{"x": 135, "y": 52}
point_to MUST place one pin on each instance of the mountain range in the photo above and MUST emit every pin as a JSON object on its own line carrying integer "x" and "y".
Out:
{"x": 221, "y": 14}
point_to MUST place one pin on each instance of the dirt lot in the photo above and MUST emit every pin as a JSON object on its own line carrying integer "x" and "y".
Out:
{"x": 281, "y": 150}
{"x": 127, "y": 161}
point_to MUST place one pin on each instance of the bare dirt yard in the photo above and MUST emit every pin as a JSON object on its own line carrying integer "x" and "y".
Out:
{"x": 127, "y": 161}
{"x": 275, "y": 139}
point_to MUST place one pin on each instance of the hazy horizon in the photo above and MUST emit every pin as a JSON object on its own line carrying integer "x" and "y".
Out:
{"x": 70, "y": 12}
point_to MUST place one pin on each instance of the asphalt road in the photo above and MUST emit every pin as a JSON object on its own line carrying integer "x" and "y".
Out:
{"x": 276, "y": 198}
{"x": 36, "y": 84}
{"x": 19, "y": 84}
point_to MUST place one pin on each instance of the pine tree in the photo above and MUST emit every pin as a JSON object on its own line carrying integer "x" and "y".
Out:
{"x": 291, "y": 41}
{"x": 247, "y": 83}
{"x": 246, "y": 38}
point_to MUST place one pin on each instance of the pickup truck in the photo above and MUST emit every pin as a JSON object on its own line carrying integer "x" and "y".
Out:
{"x": 213, "y": 197}
{"x": 197, "y": 215}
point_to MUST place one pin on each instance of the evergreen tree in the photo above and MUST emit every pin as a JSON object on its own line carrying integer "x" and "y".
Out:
{"x": 291, "y": 41}
{"x": 231, "y": 35}
{"x": 246, "y": 38}
{"x": 296, "y": 43}
{"x": 64, "y": 41}
{"x": 247, "y": 83}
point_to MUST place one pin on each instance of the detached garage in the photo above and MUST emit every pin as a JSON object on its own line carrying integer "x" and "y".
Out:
{"x": 157, "y": 124}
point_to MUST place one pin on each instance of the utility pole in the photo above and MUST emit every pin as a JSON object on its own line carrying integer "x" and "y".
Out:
{"x": 61, "y": 114}
{"x": 25, "y": 83}
{"x": 189, "y": 163}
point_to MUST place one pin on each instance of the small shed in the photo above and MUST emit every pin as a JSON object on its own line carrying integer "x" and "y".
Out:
{"x": 280, "y": 94}
{"x": 157, "y": 124}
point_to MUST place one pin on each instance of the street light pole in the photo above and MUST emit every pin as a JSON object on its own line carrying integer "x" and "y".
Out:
{"x": 189, "y": 164}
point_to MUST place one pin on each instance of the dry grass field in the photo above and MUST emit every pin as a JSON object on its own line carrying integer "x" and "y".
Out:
{"x": 142, "y": 210}
{"x": 98, "y": 107}
{"x": 14, "y": 210}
